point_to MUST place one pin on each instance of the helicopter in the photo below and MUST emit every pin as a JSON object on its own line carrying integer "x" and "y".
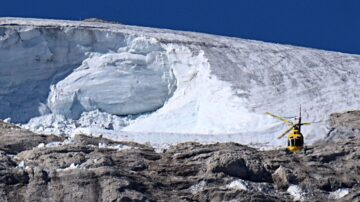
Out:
{"x": 295, "y": 138}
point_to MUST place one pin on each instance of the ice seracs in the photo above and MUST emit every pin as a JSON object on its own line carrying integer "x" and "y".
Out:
{"x": 125, "y": 83}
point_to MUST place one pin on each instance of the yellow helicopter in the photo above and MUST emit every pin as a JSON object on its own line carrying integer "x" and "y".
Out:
{"x": 295, "y": 138}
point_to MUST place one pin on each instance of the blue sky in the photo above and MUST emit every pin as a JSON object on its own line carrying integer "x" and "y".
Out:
{"x": 324, "y": 24}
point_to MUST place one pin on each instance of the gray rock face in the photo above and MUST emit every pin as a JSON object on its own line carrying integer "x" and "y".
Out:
{"x": 98, "y": 169}
{"x": 347, "y": 120}
{"x": 238, "y": 162}
{"x": 283, "y": 177}
{"x": 15, "y": 140}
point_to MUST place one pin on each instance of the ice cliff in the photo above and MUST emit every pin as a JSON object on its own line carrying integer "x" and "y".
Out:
{"x": 58, "y": 76}
{"x": 74, "y": 69}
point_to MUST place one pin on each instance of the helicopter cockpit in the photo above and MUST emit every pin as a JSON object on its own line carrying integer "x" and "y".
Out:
{"x": 295, "y": 141}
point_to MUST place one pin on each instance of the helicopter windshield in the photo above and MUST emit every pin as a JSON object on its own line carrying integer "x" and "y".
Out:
{"x": 296, "y": 142}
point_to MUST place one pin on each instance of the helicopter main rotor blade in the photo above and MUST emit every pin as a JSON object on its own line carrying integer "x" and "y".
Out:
{"x": 306, "y": 124}
{"x": 286, "y": 132}
{"x": 280, "y": 118}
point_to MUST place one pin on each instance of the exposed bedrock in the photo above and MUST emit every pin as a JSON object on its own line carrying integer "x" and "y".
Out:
{"x": 98, "y": 169}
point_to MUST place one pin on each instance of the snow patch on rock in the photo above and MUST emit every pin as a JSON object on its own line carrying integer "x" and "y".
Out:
{"x": 339, "y": 193}
{"x": 71, "y": 167}
{"x": 238, "y": 184}
{"x": 118, "y": 147}
{"x": 245, "y": 185}
{"x": 56, "y": 144}
{"x": 199, "y": 187}
{"x": 21, "y": 164}
{"x": 296, "y": 192}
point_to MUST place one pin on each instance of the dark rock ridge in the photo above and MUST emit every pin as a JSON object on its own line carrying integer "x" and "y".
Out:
{"x": 15, "y": 140}
{"x": 97, "y": 169}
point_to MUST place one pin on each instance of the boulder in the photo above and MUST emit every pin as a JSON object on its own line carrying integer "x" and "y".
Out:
{"x": 283, "y": 177}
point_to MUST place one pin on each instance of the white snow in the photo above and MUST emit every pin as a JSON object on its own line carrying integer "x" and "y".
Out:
{"x": 7, "y": 120}
{"x": 250, "y": 186}
{"x": 118, "y": 147}
{"x": 296, "y": 192}
{"x": 71, "y": 167}
{"x": 56, "y": 143}
{"x": 199, "y": 187}
{"x": 238, "y": 184}
{"x": 199, "y": 102}
{"x": 164, "y": 87}
{"x": 339, "y": 193}
{"x": 21, "y": 164}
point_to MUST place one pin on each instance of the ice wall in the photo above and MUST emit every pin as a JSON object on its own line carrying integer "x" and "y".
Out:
{"x": 70, "y": 70}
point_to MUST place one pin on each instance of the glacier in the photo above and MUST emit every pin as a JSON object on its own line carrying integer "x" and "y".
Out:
{"x": 162, "y": 86}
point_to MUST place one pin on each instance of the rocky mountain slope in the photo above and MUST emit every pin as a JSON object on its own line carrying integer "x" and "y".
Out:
{"x": 50, "y": 168}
